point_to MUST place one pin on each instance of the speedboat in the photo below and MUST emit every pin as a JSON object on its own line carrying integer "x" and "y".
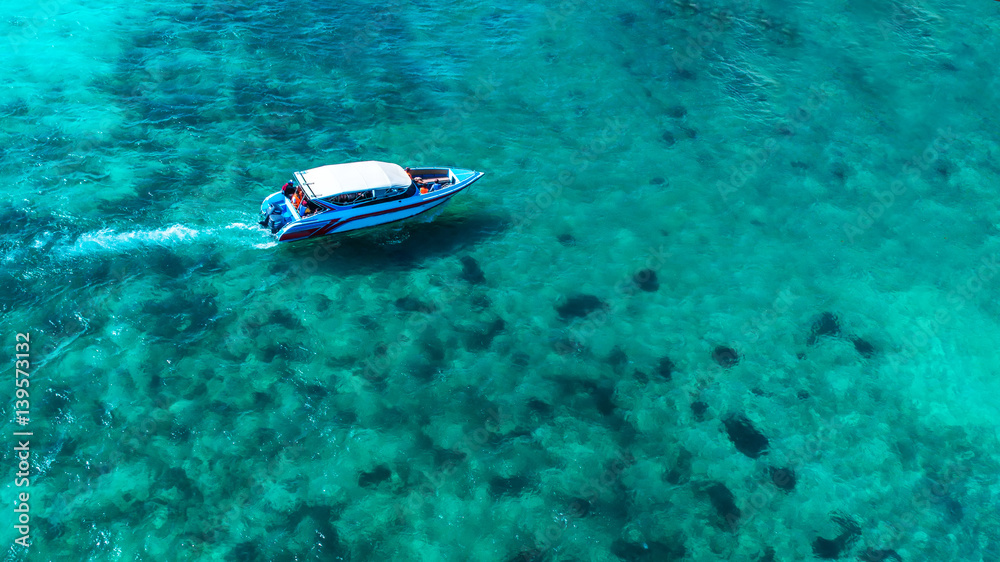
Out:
{"x": 341, "y": 197}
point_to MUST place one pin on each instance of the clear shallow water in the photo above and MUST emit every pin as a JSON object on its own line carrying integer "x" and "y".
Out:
{"x": 203, "y": 394}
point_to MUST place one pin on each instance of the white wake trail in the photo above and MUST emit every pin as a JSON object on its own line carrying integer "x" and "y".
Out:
{"x": 108, "y": 240}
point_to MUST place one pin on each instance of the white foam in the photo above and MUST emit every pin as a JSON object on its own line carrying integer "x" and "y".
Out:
{"x": 10, "y": 251}
{"x": 110, "y": 241}
{"x": 41, "y": 240}
{"x": 241, "y": 225}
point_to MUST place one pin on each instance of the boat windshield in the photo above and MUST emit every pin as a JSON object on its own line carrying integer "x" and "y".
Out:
{"x": 354, "y": 197}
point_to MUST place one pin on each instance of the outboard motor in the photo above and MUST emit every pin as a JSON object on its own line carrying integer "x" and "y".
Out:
{"x": 277, "y": 221}
{"x": 272, "y": 215}
{"x": 265, "y": 213}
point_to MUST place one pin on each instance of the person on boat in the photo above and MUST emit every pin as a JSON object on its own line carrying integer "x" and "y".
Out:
{"x": 288, "y": 188}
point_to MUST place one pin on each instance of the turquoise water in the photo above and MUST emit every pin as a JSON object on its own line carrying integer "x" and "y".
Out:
{"x": 812, "y": 185}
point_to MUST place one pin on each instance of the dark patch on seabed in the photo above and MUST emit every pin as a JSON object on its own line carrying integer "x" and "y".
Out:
{"x": 699, "y": 409}
{"x": 646, "y": 280}
{"x": 745, "y": 436}
{"x": 724, "y": 503}
{"x": 471, "y": 271}
{"x": 162, "y": 98}
{"x": 826, "y": 325}
{"x": 374, "y": 477}
{"x": 665, "y": 368}
{"x": 567, "y": 240}
{"x": 831, "y": 549}
{"x": 578, "y": 306}
{"x": 783, "y": 478}
{"x": 514, "y": 485}
{"x": 436, "y": 312}
{"x": 725, "y": 356}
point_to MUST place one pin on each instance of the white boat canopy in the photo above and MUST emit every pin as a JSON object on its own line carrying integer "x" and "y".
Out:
{"x": 355, "y": 176}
